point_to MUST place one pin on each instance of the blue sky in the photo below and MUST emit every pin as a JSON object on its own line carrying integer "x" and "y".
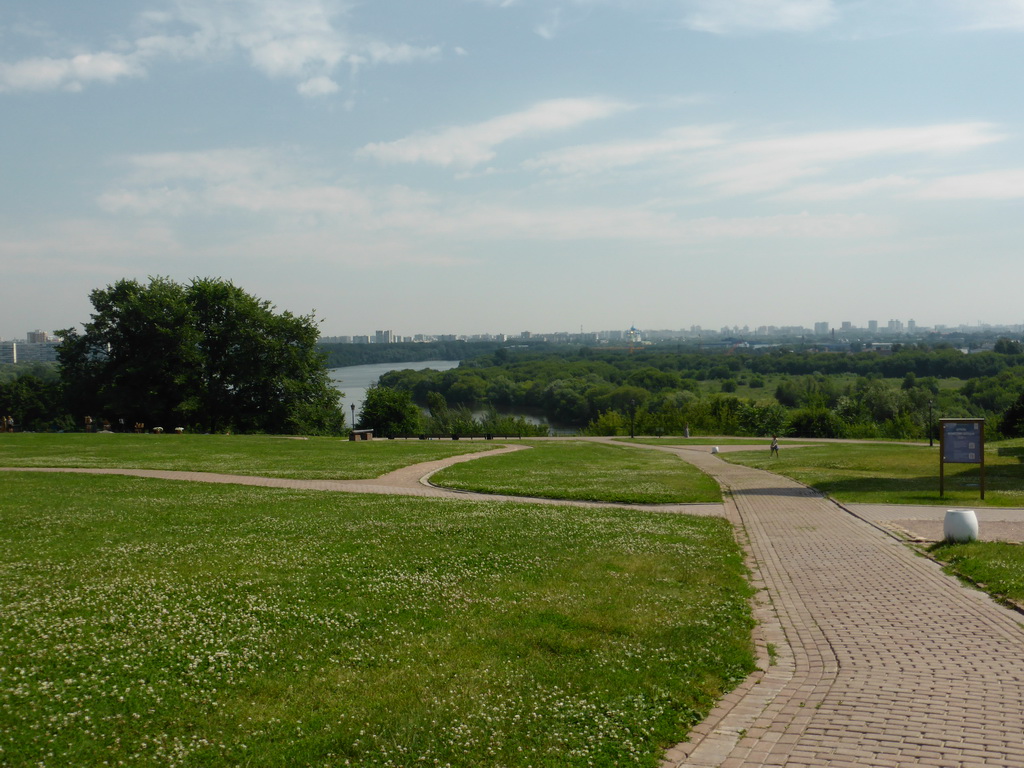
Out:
{"x": 493, "y": 166}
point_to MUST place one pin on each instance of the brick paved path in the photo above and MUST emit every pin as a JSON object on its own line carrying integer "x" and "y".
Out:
{"x": 879, "y": 659}
{"x": 925, "y": 523}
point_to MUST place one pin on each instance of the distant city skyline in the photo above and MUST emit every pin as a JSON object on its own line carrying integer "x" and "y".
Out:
{"x": 464, "y": 165}
{"x": 41, "y": 346}
{"x": 891, "y": 325}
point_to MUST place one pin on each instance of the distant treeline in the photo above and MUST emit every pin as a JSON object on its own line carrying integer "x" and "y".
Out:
{"x": 689, "y": 363}
{"x": 656, "y": 390}
{"x": 663, "y": 392}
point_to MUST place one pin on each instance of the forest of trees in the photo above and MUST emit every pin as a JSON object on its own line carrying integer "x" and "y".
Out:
{"x": 391, "y": 412}
{"x": 210, "y": 356}
{"x": 865, "y": 394}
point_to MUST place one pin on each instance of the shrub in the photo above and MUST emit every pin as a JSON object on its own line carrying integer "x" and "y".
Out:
{"x": 816, "y": 422}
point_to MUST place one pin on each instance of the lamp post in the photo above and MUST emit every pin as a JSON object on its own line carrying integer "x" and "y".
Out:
{"x": 931, "y": 429}
{"x": 632, "y": 415}
{"x": 353, "y": 416}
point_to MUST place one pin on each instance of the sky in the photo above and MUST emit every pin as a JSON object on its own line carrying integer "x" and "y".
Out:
{"x": 495, "y": 166}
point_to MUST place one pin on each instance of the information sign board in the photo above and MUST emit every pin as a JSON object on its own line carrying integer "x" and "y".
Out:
{"x": 962, "y": 441}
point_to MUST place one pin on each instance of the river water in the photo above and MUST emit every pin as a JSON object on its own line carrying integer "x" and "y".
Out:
{"x": 354, "y": 380}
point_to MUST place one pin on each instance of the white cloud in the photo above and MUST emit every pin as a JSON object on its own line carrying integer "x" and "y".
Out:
{"x": 282, "y": 188}
{"x": 146, "y": 202}
{"x": 992, "y": 185}
{"x": 294, "y": 39}
{"x": 304, "y": 40}
{"x": 205, "y": 166}
{"x": 850, "y": 191}
{"x": 637, "y": 224}
{"x": 740, "y": 16}
{"x": 469, "y": 146}
{"x": 385, "y": 53}
{"x": 287, "y": 188}
{"x": 318, "y": 86}
{"x": 73, "y": 73}
{"x": 289, "y": 197}
{"x": 770, "y": 164}
{"x": 596, "y": 158}
{"x": 798, "y": 167}
{"x": 992, "y": 14}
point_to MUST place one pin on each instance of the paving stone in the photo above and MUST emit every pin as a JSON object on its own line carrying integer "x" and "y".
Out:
{"x": 896, "y": 663}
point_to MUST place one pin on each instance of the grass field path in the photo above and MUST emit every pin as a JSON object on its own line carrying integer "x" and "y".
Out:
{"x": 870, "y": 655}
{"x": 413, "y": 480}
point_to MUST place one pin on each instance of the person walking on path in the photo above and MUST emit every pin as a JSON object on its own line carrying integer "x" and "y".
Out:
{"x": 774, "y": 450}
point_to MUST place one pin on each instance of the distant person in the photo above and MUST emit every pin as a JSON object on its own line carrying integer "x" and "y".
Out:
{"x": 88, "y": 423}
{"x": 9, "y": 423}
{"x": 774, "y": 450}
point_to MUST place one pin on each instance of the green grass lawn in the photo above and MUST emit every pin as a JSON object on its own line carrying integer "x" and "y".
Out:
{"x": 316, "y": 458}
{"x": 157, "y": 623}
{"x": 997, "y": 567}
{"x": 585, "y": 470}
{"x": 897, "y": 474}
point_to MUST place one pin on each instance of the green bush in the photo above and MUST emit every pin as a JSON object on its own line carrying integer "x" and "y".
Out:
{"x": 816, "y": 422}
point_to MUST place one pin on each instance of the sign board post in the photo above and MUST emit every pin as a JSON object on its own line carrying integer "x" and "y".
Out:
{"x": 961, "y": 441}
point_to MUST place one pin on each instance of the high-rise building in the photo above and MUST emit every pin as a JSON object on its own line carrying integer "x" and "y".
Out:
{"x": 28, "y": 352}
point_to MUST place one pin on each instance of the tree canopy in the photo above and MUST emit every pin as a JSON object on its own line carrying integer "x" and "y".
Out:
{"x": 389, "y": 411}
{"x": 206, "y": 355}
{"x": 758, "y": 392}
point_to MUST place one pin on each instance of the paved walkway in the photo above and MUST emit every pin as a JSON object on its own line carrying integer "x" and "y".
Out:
{"x": 925, "y": 523}
{"x": 876, "y": 658}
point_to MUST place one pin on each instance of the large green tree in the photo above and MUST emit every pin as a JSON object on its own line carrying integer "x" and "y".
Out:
{"x": 389, "y": 412}
{"x": 33, "y": 403}
{"x": 1012, "y": 422}
{"x": 204, "y": 355}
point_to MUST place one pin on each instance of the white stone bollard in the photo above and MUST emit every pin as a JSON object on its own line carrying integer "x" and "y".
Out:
{"x": 960, "y": 525}
{"x": 715, "y": 449}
